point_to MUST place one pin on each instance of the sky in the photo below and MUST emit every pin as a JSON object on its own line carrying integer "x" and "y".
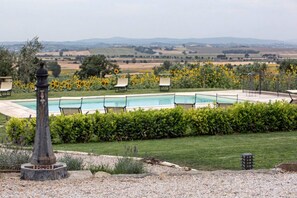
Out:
{"x": 69, "y": 20}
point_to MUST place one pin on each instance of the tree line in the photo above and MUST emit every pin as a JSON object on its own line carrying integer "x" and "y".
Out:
{"x": 24, "y": 64}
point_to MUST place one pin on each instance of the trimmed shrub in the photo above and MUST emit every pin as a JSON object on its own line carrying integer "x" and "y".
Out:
{"x": 259, "y": 117}
{"x": 21, "y": 131}
{"x": 71, "y": 129}
{"x": 209, "y": 121}
{"x": 165, "y": 123}
{"x": 139, "y": 125}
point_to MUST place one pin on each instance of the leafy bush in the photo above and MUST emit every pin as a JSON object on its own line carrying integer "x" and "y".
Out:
{"x": 209, "y": 121}
{"x": 71, "y": 129}
{"x": 128, "y": 166}
{"x": 278, "y": 116}
{"x": 73, "y": 163}
{"x": 21, "y": 131}
{"x": 244, "y": 118}
{"x": 165, "y": 123}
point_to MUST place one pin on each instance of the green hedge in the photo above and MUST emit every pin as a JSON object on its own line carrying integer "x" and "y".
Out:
{"x": 165, "y": 123}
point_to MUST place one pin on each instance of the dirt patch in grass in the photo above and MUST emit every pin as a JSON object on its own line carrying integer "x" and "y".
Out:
{"x": 292, "y": 166}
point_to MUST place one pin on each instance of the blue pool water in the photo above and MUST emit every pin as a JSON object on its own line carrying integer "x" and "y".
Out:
{"x": 129, "y": 101}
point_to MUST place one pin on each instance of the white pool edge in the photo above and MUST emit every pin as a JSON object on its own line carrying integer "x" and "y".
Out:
{"x": 12, "y": 109}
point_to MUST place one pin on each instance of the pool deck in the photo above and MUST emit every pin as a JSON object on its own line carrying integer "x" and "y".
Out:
{"x": 11, "y": 109}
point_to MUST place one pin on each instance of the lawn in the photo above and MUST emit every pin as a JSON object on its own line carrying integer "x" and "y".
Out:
{"x": 206, "y": 152}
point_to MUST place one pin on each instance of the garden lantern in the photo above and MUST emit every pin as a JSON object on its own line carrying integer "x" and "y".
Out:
{"x": 247, "y": 161}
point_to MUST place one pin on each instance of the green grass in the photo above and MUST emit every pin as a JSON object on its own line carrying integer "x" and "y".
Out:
{"x": 3, "y": 120}
{"x": 15, "y": 96}
{"x": 206, "y": 152}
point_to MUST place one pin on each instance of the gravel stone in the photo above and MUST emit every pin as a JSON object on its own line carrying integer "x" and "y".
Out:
{"x": 162, "y": 181}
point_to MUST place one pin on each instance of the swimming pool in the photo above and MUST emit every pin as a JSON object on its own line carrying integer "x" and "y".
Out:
{"x": 133, "y": 101}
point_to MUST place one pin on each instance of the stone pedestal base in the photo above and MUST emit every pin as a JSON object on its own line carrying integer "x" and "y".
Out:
{"x": 44, "y": 172}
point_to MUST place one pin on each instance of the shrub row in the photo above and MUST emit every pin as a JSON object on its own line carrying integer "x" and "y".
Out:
{"x": 165, "y": 123}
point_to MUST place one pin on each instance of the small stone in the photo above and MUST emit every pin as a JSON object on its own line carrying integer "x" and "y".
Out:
{"x": 162, "y": 176}
{"x": 102, "y": 174}
{"x": 187, "y": 168}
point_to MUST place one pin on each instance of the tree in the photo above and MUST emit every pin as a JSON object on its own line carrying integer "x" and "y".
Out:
{"x": 96, "y": 65}
{"x": 6, "y": 62}
{"x": 222, "y": 56}
{"x": 259, "y": 68}
{"x": 166, "y": 65}
{"x": 55, "y": 68}
{"x": 229, "y": 66}
{"x": 27, "y": 61}
{"x": 288, "y": 65}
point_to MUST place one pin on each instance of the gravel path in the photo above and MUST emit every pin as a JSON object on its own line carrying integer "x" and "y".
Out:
{"x": 162, "y": 182}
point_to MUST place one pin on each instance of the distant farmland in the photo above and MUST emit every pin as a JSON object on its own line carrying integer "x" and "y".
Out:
{"x": 138, "y": 67}
{"x": 134, "y": 61}
{"x": 66, "y": 53}
{"x": 117, "y": 51}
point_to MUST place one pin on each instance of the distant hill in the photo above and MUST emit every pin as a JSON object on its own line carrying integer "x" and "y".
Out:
{"x": 217, "y": 40}
{"x": 292, "y": 41}
{"x": 109, "y": 42}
